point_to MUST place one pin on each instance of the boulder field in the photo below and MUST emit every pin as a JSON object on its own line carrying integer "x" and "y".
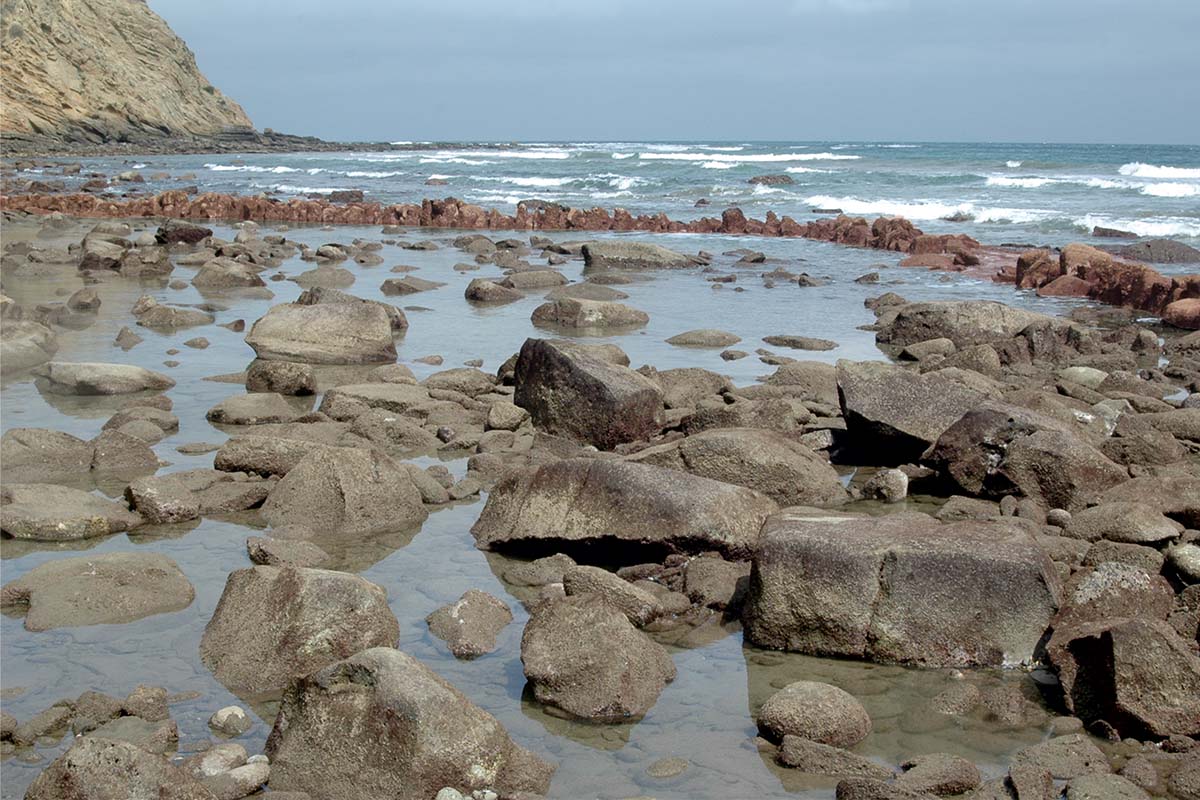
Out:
{"x": 1002, "y": 489}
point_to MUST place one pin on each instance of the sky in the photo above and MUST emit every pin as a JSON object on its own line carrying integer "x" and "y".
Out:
{"x": 550, "y": 70}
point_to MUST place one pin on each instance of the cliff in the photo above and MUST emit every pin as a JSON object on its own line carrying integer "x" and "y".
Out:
{"x": 88, "y": 72}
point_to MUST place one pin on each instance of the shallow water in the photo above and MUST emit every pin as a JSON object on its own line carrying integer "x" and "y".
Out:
{"x": 705, "y": 716}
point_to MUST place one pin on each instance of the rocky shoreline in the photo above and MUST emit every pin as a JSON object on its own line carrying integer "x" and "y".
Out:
{"x": 1060, "y": 459}
{"x": 1078, "y": 271}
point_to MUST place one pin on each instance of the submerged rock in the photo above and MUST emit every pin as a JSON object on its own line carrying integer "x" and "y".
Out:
{"x": 25, "y": 344}
{"x": 103, "y": 379}
{"x": 582, "y": 655}
{"x": 340, "y": 730}
{"x": 469, "y": 625}
{"x": 275, "y": 624}
{"x": 623, "y": 506}
{"x": 108, "y": 588}
{"x": 47, "y": 512}
{"x": 902, "y": 588}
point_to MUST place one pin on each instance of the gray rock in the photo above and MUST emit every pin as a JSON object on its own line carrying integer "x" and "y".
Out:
{"x": 482, "y": 290}
{"x": 52, "y": 513}
{"x": 941, "y": 774}
{"x": 638, "y": 605}
{"x": 274, "y": 624}
{"x": 705, "y": 337}
{"x": 583, "y": 656}
{"x": 325, "y": 333}
{"x": 1104, "y": 787}
{"x": 877, "y": 588}
{"x": 629, "y": 505}
{"x": 815, "y": 711}
{"x": 162, "y": 499}
{"x": 230, "y": 721}
{"x": 339, "y": 750}
{"x": 258, "y": 408}
{"x": 822, "y": 759}
{"x": 104, "y": 769}
{"x": 1064, "y": 757}
{"x": 572, "y": 313}
{"x": 25, "y": 344}
{"x": 101, "y": 379}
{"x": 281, "y": 377}
{"x": 1128, "y": 523}
{"x": 109, "y": 588}
{"x": 469, "y": 625}
{"x": 625, "y": 255}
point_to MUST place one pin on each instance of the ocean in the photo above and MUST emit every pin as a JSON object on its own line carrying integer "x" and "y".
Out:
{"x": 998, "y": 193}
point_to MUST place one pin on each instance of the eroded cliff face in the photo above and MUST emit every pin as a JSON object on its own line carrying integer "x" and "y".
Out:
{"x": 93, "y": 71}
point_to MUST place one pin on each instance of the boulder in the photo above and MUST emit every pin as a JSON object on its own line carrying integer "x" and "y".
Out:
{"x": 534, "y": 279}
{"x": 162, "y": 499}
{"x": 624, "y": 255}
{"x": 325, "y": 333}
{"x": 25, "y": 344}
{"x": 257, "y": 408}
{"x": 1183, "y": 313}
{"x": 814, "y": 711}
{"x": 582, "y": 655}
{"x": 964, "y": 322}
{"x": 821, "y": 759}
{"x": 640, "y": 606}
{"x": 481, "y": 290}
{"x": 323, "y": 295}
{"x": 1160, "y": 251}
{"x": 706, "y": 337}
{"x": 893, "y": 414}
{"x": 940, "y": 774}
{"x": 902, "y": 588}
{"x": 623, "y": 505}
{"x": 225, "y": 273}
{"x": 104, "y": 589}
{"x": 1177, "y": 496}
{"x": 345, "y": 490}
{"x": 339, "y": 732}
{"x": 101, "y": 379}
{"x": 275, "y": 624}
{"x": 51, "y": 513}
{"x": 1136, "y": 674}
{"x": 996, "y": 450}
{"x": 281, "y": 377}
{"x": 1130, "y": 523}
{"x": 766, "y": 461}
{"x": 106, "y": 769}
{"x": 469, "y": 625}
{"x": 570, "y": 391}
{"x": 569, "y": 312}
{"x": 176, "y": 232}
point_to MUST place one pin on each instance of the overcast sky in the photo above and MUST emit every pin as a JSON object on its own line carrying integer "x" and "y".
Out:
{"x": 931, "y": 70}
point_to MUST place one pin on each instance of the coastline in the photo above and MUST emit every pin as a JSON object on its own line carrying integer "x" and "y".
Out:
{"x": 1077, "y": 271}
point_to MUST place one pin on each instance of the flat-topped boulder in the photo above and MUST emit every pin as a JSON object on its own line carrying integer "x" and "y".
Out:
{"x": 325, "y": 333}
{"x": 704, "y": 337}
{"x": 902, "y": 588}
{"x": 893, "y": 414}
{"x": 766, "y": 461}
{"x": 94, "y": 378}
{"x": 324, "y": 295}
{"x": 275, "y": 624}
{"x": 380, "y": 725}
{"x": 964, "y": 322}
{"x": 225, "y": 273}
{"x": 569, "y": 312}
{"x": 394, "y": 397}
{"x": 620, "y": 254}
{"x": 103, "y": 589}
{"x": 623, "y": 506}
{"x": 51, "y": 513}
{"x": 573, "y": 391}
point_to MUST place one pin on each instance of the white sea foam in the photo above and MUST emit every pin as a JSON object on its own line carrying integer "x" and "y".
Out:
{"x": 367, "y": 174}
{"x": 518, "y": 181}
{"x": 548, "y": 153}
{"x": 752, "y": 157}
{"x": 1171, "y": 189}
{"x": 249, "y": 168}
{"x": 928, "y": 209}
{"x": 611, "y": 195}
{"x": 622, "y": 182}
{"x": 730, "y": 148}
{"x": 623, "y": 155}
{"x": 1012, "y": 164}
{"x": 438, "y": 177}
{"x": 721, "y": 164}
{"x": 1016, "y": 216}
{"x": 1151, "y": 226}
{"x": 510, "y": 199}
{"x": 287, "y": 188}
{"x": 1137, "y": 169}
{"x": 1023, "y": 183}
{"x": 474, "y": 162}
{"x": 801, "y": 170}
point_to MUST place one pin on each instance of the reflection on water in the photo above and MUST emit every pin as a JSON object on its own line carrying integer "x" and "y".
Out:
{"x": 705, "y": 716}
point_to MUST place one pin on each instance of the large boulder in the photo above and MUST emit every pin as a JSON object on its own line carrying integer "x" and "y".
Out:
{"x": 25, "y": 344}
{"x": 51, "y": 513}
{"x": 325, "y": 333}
{"x": 225, "y": 273}
{"x": 622, "y": 505}
{"x": 902, "y": 588}
{"x": 1160, "y": 251}
{"x": 583, "y": 655}
{"x": 106, "y": 769}
{"x": 1134, "y": 673}
{"x": 66, "y": 377}
{"x": 571, "y": 391}
{"x": 103, "y": 589}
{"x": 996, "y": 450}
{"x": 893, "y": 414}
{"x": 766, "y": 461}
{"x": 618, "y": 254}
{"x": 324, "y": 295}
{"x": 275, "y": 624}
{"x": 345, "y": 490}
{"x": 568, "y": 312}
{"x": 380, "y": 725}
{"x": 964, "y": 322}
